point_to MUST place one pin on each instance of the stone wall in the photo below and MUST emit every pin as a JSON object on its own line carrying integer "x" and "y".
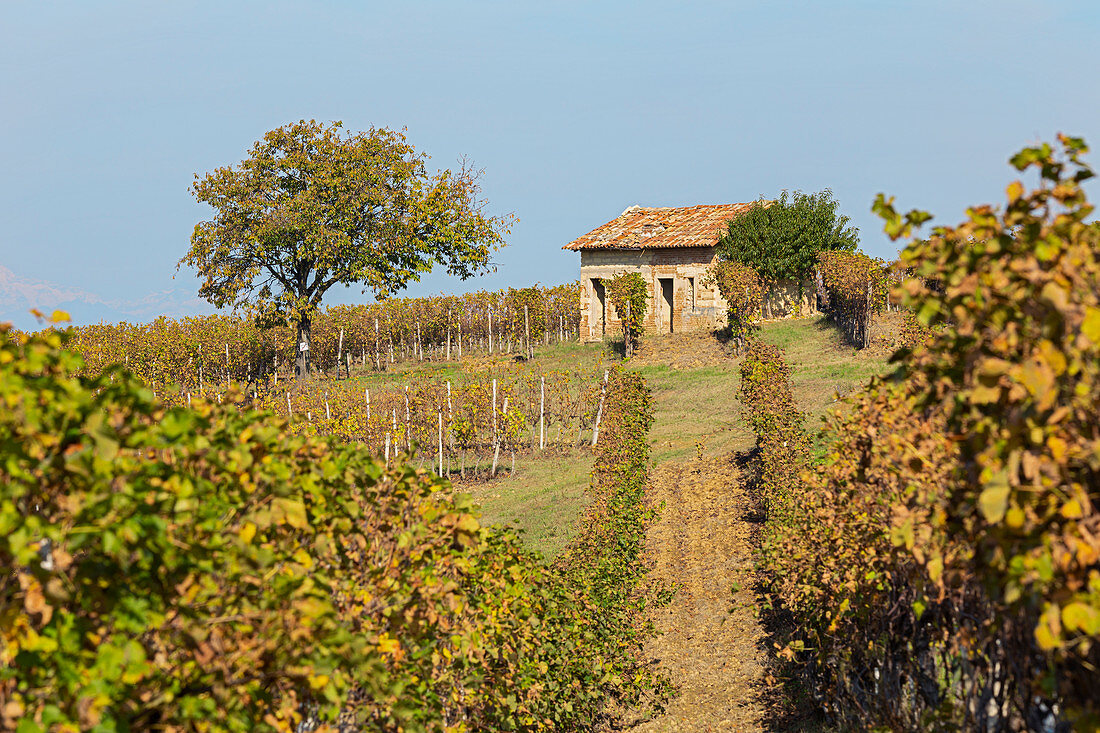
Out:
{"x": 680, "y": 269}
{"x": 784, "y": 299}
{"x": 694, "y": 306}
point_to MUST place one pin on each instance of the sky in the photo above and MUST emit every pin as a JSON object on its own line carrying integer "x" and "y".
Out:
{"x": 575, "y": 111}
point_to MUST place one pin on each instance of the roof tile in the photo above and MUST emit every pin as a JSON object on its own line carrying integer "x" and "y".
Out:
{"x": 650, "y": 227}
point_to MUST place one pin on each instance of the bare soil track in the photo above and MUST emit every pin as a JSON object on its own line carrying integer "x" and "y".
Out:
{"x": 710, "y": 642}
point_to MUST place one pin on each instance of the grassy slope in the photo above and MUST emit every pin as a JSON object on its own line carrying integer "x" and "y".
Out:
{"x": 695, "y": 406}
{"x": 695, "y": 386}
{"x": 822, "y": 363}
{"x": 697, "y": 396}
{"x": 543, "y": 499}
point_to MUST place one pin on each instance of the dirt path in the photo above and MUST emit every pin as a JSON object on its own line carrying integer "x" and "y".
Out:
{"x": 703, "y": 542}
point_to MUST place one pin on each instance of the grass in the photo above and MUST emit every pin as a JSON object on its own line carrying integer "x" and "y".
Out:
{"x": 570, "y": 357}
{"x": 822, "y": 363}
{"x": 695, "y": 407}
{"x": 543, "y": 499}
{"x": 699, "y": 405}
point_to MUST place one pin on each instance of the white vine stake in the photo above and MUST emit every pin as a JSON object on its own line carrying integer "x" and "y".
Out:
{"x": 599, "y": 410}
{"x": 542, "y": 414}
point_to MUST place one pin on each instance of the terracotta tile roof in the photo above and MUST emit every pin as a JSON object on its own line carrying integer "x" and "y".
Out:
{"x": 644, "y": 227}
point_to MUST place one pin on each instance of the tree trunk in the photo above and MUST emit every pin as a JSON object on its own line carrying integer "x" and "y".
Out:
{"x": 301, "y": 366}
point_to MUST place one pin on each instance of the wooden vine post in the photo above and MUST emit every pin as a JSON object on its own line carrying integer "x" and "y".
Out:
{"x": 542, "y": 413}
{"x": 339, "y": 353}
{"x": 450, "y": 418}
{"x": 408, "y": 430}
{"x": 496, "y": 441}
{"x": 527, "y": 332}
{"x": 440, "y": 436}
{"x": 496, "y": 448}
{"x": 599, "y": 410}
{"x": 628, "y": 333}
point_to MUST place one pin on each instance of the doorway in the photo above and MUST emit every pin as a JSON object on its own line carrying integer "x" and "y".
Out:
{"x": 600, "y": 308}
{"x": 666, "y": 302}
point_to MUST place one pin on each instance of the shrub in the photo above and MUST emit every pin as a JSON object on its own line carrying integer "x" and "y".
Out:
{"x": 165, "y": 567}
{"x": 627, "y": 291}
{"x": 782, "y": 238}
{"x": 606, "y": 562}
{"x": 943, "y": 562}
{"x": 851, "y": 287}
{"x": 743, "y": 292}
{"x": 205, "y": 569}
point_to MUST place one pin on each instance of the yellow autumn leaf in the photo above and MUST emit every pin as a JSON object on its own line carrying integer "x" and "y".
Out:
{"x": 247, "y": 532}
{"x": 387, "y": 644}
{"x": 1048, "y": 633}
{"x": 290, "y": 511}
{"x": 1091, "y": 325}
{"x": 1072, "y": 509}
{"x": 467, "y": 523}
{"x": 303, "y": 558}
{"x": 1037, "y": 377}
{"x": 1057, "y": 447}
{"x": 1045, "y": 638}
{"x": 935, "y": 568}
{"x": 1082, "y": 617}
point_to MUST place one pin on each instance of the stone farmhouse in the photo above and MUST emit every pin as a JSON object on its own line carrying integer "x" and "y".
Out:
{"x": 672, "y": 249}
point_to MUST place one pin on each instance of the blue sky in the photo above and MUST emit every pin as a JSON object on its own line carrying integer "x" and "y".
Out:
{"x": 575, "y": 110}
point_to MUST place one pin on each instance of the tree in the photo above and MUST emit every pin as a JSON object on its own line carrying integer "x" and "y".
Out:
{"x": 310, "y": 208}
{"x": 781, "y": 239}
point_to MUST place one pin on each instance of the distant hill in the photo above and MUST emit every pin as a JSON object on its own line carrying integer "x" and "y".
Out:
{"x": 18, "y": 295}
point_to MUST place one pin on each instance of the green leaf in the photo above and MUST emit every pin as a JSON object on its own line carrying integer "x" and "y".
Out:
{"x": 1081, "y": 617}
{"x": 993, "y": 501}
{"x": 289, "y": 511}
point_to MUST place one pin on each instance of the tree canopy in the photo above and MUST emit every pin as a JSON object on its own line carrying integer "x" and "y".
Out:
{"x": 312, "y": 207}
{"x": 781, "y": 239}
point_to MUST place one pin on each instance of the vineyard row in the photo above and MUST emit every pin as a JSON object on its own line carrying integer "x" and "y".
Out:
{"x": 479, "y": 417}
{"x": 197, "y": 352}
